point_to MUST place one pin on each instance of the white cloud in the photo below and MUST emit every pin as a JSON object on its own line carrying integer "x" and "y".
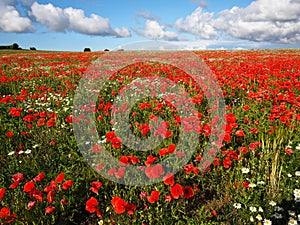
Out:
{"x": 263, "y": 20}
{"x": 122, "y": 32}
{"x": 52, "y": 17}
{"x": 201, "y": 3}
{"x": 154, "y": 31}
{"x": 95, "y": 25}
{"x": 199, "y": 23}
{"x": 147, "y": 15}
{"x": 70, "y": 19}
{"x": 11, "y": 20}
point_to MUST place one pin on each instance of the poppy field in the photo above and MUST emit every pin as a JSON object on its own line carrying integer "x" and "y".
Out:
{"x": 241, "y": 164}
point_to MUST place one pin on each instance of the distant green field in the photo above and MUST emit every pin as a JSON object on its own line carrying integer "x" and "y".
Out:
{"x": 23, "y": 51}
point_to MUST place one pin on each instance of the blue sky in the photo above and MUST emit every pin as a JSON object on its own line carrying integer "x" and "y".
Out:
{"x": 72, "y": 25}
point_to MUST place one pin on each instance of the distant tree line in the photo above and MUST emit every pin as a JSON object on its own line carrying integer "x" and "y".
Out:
{"x": 14, "y": 46}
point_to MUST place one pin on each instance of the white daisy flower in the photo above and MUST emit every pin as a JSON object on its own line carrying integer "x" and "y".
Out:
{"x": 237, "y": 205}
{"x": 245, "y": 170}
{"x": 259, "y": 217}
{"x": 267, "y": 222}
{"x": 11, "y": 153}
{"x": 292, "y": 222}
{"x": 28, "y": 151}
{"x": 277, "y": 215}
{"x": 272, "y": 203}
{"x": 252, "y": 209}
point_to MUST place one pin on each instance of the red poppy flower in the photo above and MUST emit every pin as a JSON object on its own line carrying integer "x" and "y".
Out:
{"x": 227, "y": 162}
{"x": 112, "y": 171}
{"x": 253, "y": 130}
{"x": 246, "y": 107}
{"x": 116, "y": 142}
{"x": 171, "y": 148}
{"x": 154, "y": 197}
{"x": 37, "y": 194}
{"x": 119, "y": 205}
{"x": 63, "y": 201}
{"x": 39, "y": 177}
{"x": 41, "y": 122}
{"x": 96, "y": 148}
{"x": 144, "y": 128}
{"x": 150, "y": 160}
{"x": 120, "y": 172}
{"x": 51, "y": 122}
{"x": 18, "y": 177}
{"x": 214, "y": 213}
{"x": 14, "y": 112}
{"x": 188, "y": 192}
{"x": 254, "y": 145}
{"x": 52, "y": 186}
{"x": 4, "y": 213}
{"x": 169, "y": 179}
{"x": 168, "y": 198}
{"x": 60, "y": 177}
{"x": 49, "y": 210}
{"x": 245, "y": 184}
{"x": 240, "y": 133}
{"x": 69, "y": 119}
{"x": 31, "y": 204}
{"x": 91, "y": 205}
{"x": 29, "y": 186}
{"x": 109, "y": 136}
{"x": 176, "y": 191}
{"x": 217, "y": 162}
{"x": 188, "y": 168}
{"x": 95, "y": 186}
{"x": 207, "y": 130}
{"x": 244, "y": 150}
{"x": 67, "y": 184}
{"x": 288, "y": 151}
{"x": 2, "y": 192}
{"x": 50, "y": 197}
{"x": 9, "y": 134}
{"x": 163, "y": 151}
{"x": 130, "y": 208}
{"x": 154, "y": 171}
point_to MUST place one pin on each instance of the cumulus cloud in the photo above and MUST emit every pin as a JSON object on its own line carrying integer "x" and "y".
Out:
{"x": 11, "y": 20}
{"x": 199, "y": 23}
{"x": 263, "y": 20}
{"x": 201, "y": 3}
{"x": 154, "y": 31}
{"x": 70, "y": 19}
{"x": 147, "y": 15}
{"x": 50, "y": 16}
{"x": 122, "y": 32}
